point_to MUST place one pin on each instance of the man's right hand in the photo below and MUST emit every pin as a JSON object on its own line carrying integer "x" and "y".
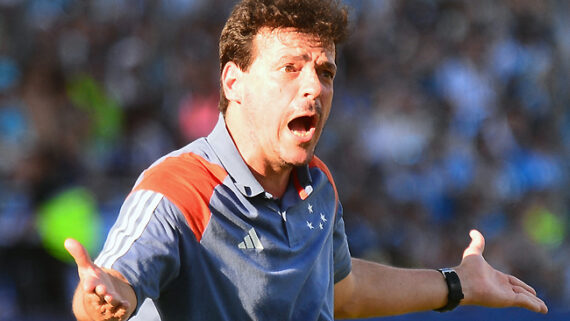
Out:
{"x": 102, "y": 294}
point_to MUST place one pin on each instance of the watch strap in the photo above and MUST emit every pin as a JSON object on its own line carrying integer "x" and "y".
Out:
{"x": 455, "y": 293}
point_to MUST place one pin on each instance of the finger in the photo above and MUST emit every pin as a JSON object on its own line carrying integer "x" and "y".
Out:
{"x": 517, "y": 282}
{"x": 477, "y": 244}
{"x": 526, "y": 300}
{"x": 79, "y": 253}
{"x": 109, "y": 297}
{"x": 115, "y": 302}
{"x": 101, "y": 290}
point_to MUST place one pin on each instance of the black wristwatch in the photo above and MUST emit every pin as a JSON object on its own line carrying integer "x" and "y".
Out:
{"x": 454, "y": 286}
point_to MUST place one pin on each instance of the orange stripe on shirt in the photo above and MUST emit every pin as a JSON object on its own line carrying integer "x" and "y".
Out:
{"x": 317, "y": 162}
{"x": 188, "y": 181}
{"x": 300, "y": 189}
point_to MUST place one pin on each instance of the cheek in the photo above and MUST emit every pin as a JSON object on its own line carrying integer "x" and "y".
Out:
{"x": 326, "y": 100}
{"x": 328, "y": 91}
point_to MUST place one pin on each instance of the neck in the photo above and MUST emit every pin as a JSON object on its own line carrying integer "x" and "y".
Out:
{"x": 273, "y": 182}
{"x": 274, "y": 178}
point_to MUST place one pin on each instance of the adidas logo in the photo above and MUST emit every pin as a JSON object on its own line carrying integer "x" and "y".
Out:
{"x": 251, "y": 241}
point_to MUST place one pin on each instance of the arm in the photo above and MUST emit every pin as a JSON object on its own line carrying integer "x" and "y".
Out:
{"x": 373, "y": 289}
{"x": 102, "y": 294}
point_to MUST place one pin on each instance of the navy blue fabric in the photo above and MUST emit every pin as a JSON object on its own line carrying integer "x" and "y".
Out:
{"x": 259, "y": 258}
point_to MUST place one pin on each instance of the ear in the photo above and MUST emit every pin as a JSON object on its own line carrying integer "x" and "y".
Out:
{"x": 231, "y": 82}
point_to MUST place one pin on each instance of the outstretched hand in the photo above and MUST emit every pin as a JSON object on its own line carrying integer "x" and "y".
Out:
{"x": 485, "y": 286}
{"x": 101, "y": 293}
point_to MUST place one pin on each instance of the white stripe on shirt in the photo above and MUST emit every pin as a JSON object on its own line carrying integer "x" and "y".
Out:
{"x": 119, "y": 227}
{"x": 130, "y": 226}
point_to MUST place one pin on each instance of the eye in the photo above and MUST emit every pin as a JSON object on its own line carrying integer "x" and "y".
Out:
{"x": 327, "y": 74}
{"x": 289, "y": 68}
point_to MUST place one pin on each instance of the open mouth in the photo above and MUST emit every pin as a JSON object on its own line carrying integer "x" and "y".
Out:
{"x": 303, "y": 126}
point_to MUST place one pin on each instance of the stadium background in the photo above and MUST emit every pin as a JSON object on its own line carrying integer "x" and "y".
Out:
{"x": 448, "y": 115}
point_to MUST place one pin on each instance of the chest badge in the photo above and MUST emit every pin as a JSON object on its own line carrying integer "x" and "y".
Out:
{"x": 315, "y": 223}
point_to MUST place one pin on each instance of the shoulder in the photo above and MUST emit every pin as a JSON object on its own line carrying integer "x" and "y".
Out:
{"x": 188, "y": 181}
{"x": 182, "y": 171}
{"x": 318, "y": 163}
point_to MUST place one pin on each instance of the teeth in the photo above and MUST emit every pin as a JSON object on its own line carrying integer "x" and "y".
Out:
{"x": 301, "y": 134}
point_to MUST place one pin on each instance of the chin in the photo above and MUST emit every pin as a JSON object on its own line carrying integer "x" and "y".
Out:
{"x": 298, "y": 163}
{"x": 300, "y": 160}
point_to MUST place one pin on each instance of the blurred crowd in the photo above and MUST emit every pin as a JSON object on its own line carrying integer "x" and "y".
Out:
{"x": 448, "y": 115}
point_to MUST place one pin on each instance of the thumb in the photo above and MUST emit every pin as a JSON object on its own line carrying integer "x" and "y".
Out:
{"x": 477, "y": 245}
{"x": 79, "y": 253}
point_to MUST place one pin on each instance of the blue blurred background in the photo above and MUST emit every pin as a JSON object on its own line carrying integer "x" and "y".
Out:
{"x": 448, "y": 115}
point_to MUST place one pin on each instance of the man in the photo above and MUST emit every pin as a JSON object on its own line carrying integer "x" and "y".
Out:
{"x": 245, "y": 224}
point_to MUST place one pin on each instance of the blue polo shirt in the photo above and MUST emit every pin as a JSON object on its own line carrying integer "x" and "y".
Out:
{"x": 200, "y": 237}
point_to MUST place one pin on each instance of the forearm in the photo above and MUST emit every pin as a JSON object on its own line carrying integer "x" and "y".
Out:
{"x": 373, "y": 289}
{"x": 380, "y": 290}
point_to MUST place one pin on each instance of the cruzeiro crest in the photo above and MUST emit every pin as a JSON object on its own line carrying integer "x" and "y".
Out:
{"x": 315, "y": 221}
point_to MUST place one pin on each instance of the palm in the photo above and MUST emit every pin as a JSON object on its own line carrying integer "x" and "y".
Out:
{"x": 488, "y": 287}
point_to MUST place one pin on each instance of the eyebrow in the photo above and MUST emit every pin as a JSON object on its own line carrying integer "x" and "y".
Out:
{"x": 287, "y": 57}
{"x": 305, "y": 57}
{"x": 329, "y": 65}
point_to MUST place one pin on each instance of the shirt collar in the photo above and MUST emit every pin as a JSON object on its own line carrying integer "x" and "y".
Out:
{"x": 229, "y": 156}
{"x": 302, "y": 181}
{"x": 226, "y": 150}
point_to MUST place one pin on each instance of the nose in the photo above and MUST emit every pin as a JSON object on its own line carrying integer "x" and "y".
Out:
{"x": 312, "y": 86}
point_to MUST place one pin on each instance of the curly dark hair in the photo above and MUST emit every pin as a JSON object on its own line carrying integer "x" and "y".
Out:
{"x": 325, "y": 19}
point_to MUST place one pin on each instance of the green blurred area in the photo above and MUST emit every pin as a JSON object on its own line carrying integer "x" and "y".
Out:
{"x": 71, "y": 213}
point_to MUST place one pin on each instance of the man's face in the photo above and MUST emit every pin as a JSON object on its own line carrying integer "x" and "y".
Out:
{"x": 288, "y": 92}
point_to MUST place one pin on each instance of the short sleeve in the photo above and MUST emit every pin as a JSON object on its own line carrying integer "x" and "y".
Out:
{"x": 342, "y": 260}
{"x": 143, "y": 244}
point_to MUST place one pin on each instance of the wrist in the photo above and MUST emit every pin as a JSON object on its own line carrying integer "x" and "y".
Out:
{"x": 455, "y": 291}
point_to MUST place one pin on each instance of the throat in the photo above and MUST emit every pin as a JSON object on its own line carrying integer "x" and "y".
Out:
{"x": 273, "y": 182}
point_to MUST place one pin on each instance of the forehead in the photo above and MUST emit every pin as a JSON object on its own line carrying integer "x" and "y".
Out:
{"x": 287, "y": 41}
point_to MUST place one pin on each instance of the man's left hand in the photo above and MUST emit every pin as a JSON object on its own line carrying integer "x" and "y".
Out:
{"x": 483, "y": 285}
